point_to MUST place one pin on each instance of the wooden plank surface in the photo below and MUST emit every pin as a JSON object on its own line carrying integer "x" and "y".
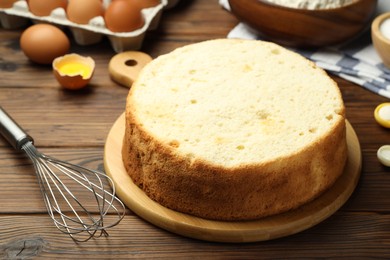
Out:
{"x": 74, "y": 125}
{"x": 348, "y": 235}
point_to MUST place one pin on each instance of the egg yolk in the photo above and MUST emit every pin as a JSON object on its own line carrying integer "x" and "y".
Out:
{"x": 382, "y": 114}
{"x": 73, "y": 69}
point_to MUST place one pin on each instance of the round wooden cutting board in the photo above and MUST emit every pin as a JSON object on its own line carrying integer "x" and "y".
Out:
{"x": 221, "y": 231}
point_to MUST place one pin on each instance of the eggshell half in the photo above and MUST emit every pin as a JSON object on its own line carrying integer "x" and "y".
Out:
{"x": 75, "y": 79}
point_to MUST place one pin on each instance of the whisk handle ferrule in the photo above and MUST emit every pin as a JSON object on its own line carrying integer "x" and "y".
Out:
{"x": 12, "y": 132}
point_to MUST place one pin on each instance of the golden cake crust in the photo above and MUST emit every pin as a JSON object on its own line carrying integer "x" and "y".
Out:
{"x": 200, "y": 187}
{"x": 250, "y": 192}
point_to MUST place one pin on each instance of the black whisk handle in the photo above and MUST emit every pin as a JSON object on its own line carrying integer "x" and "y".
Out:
{"x": 12, "y": 132}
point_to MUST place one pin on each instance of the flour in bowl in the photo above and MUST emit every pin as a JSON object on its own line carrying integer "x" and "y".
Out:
{"x": 312, "y": 4}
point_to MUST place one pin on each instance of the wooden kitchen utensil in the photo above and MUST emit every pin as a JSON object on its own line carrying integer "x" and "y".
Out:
{"x": 125, "y": 67}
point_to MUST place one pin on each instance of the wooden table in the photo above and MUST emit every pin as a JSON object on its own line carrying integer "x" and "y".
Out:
{"x": 73, "y": 126}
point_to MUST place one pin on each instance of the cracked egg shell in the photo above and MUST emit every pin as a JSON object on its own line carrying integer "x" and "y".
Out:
{"x": 73, "y": 71}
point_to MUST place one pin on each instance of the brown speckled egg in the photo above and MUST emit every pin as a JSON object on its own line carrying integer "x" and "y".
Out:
{"x": 42, "y": 43}
{"x": 45, "y": 7}
{"x": 123, "y": 16}
{"x": 82, "y": 11}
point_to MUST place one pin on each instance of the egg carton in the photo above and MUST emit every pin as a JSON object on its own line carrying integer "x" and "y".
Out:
{"x": 19, "y": 16}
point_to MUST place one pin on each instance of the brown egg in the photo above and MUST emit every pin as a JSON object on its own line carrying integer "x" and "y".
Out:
{"x": 45, "y": 7}
{"x": 7, "y": 3}
{"x": 42, "y": 43}
{"x": 82, "y": 11}
{"x": 146, "y": 3}
{"x": 123, "y": 16}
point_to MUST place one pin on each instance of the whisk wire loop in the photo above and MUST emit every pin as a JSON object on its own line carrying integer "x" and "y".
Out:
{"x": 60, "y": 186}
{"x": 97, "y": 190}
{"x": 58, "y": 181}
{"x": 69, "y": 214}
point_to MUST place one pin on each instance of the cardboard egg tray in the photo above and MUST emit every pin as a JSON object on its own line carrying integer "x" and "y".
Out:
{"x": 19, "y": 16}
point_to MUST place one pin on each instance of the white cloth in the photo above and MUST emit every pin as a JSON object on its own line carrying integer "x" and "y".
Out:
{"x": 357, "y": 61}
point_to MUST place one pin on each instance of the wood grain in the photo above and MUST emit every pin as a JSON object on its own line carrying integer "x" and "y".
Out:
{"x": 347, "y": 235}
{"x": 74, "y": 126}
